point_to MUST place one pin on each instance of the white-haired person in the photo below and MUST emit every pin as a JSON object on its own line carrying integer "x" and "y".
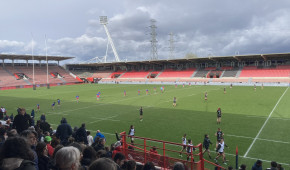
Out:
{"x": 67, "y": 158}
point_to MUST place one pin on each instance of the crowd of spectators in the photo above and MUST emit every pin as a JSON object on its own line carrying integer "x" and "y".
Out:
{"x": 28, "y": 146}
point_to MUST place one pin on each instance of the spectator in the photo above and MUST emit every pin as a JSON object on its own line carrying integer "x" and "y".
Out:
{"x": 273, "y": 165}
{"x": 101, "y": 145}
{"x": 43, "y": 159}
{"x": 11, "y": 117}
{"x": 99, "y": 134}
{"x": 50, "y": 149}
{"x": 89, "y": 156}
{"x": 16, "y": 152}
{"x": 279, "y": 167}
{"x": 67, "y": 158}
{"x": 178, "y": 166}
{"x": 81, "y": 134}
{"x": 153, "y": 150}
{"x": 103, "y": 164}
{"x": 63, "y": 132}
{"x": 119, "y": 160}
{"x": 90, "y": 138}
{"x": 131, "y": 165}
{"x": 22, "y": 121}
{"x": 31, "y": 137}
{"x": 230, "y": 168}
{"x": 243, "y": 167}
{"x": 149, "y": 166}
{"x": 42, "y": 117}
{"x": 32, "y": 114}
{"x": 12, "y": 133}
{"x": 257, "y": 165}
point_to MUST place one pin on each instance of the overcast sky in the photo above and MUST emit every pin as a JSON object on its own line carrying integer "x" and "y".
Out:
{"x": 203, "y": 27}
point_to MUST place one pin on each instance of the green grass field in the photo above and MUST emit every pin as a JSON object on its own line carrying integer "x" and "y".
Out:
{"x": 245, "y": 112}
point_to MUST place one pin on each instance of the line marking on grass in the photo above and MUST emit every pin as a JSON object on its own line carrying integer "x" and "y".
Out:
{"x": 268, "y": 140}
{"x": 257, "y": 136}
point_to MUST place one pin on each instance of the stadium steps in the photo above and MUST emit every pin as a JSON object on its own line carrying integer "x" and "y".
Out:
{"x": 222, "y": 74}
{"x": 28, "y": 82}
{"x": 8, "y": 71}
{"x": 159, "y": 74}
{"x": 194, "y": 73}
{"x": 62, "y": 79}
{"x": 238, "y": 73}
{"x": 122, "y": 74}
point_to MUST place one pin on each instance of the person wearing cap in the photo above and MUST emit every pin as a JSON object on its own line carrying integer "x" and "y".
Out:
{"x": 50, "y": 149}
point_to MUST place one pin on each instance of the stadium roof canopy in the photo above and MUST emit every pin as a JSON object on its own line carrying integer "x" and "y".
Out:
{"x": 29, "y": 57}
{"x": 236, "y": 58}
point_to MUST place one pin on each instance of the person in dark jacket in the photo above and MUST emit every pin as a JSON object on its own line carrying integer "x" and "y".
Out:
{"x": 63, "y": 132}
{"x": 81, "y": 134}
{"x": 206, "y": 143}
{"x": 43, "y": 159}
{"x": 16, "y": 152}
{"x": 22, "y": 121}
{"x": 101, "y": 145}
{"x": 257, "y": 165}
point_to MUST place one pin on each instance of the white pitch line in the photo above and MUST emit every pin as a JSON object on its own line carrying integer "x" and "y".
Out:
{"x": 268, "y": 140}
{"x": 265, "y": 123}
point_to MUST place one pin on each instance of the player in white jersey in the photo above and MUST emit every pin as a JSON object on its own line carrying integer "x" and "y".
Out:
{"x": 131, "y": 133}
{"x": 220, "y": 150}
{"x": 183, "y": 144}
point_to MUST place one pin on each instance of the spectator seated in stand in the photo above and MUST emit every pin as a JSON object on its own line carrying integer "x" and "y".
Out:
{"x": 68, "y": 158}
{"x": 16, "y": 152}
{"x": 103, "y": 164}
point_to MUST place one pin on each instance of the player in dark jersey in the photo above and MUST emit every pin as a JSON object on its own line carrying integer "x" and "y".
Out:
{"x": 255, "y": 87}
{"x": 52, "y": 105}
{"x": 219, "y": 134}
{"x": 174, "y": 102}
{"x": 231, "y": 85}
{"x": 205, "y": 96}
{"x": 219, "y": 116}
{"x": 141, "y": 114}
{"x": 58, "y": 102}
{"x": 225, "y": 90}
{"x": 206, "y": 143}
{"x": 189, "y": 149}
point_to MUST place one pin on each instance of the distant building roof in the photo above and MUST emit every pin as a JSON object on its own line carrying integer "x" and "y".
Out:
{"x": 29, "y": 57}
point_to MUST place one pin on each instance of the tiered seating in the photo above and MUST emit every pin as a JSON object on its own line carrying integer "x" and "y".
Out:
{"x": 210, "y": 68}
{"x": 82, "y": 74}
{"x": 176, "y": 73}
{"x": 66, "y": 76}
{"x": 201, "y": 73}
{"x": 116, "y": 73}
{"x": 251, "y": 71}
{"x": 101, "y": 74}
{"x": 230, "y": 73}
{"x": 9, "y": 80}
{"x": 136, "y": 74}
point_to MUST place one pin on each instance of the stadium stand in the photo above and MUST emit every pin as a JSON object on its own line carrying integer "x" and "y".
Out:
{"x": 176, "y": 73}
{"x": 253, "y": 71}
{"x": 136, "y": 74}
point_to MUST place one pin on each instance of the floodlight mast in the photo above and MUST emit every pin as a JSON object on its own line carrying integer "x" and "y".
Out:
{"x": 104, "y": 22}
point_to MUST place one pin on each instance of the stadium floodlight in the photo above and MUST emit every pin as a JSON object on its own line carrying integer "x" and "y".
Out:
{"x": 104, "y": 22}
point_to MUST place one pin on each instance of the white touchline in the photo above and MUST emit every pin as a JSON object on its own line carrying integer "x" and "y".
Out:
{"x": 265, "y": 123}
{"x": 268, "y": 140}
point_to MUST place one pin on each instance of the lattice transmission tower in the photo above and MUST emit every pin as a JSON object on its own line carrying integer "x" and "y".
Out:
{"x": 154, "y": 54}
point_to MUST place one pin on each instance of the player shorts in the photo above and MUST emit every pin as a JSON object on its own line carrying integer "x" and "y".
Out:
{"x": 183, "y": 146}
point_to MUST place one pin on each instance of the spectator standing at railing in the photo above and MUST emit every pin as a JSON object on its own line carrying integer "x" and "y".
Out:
{"x": 99, "y": 134}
